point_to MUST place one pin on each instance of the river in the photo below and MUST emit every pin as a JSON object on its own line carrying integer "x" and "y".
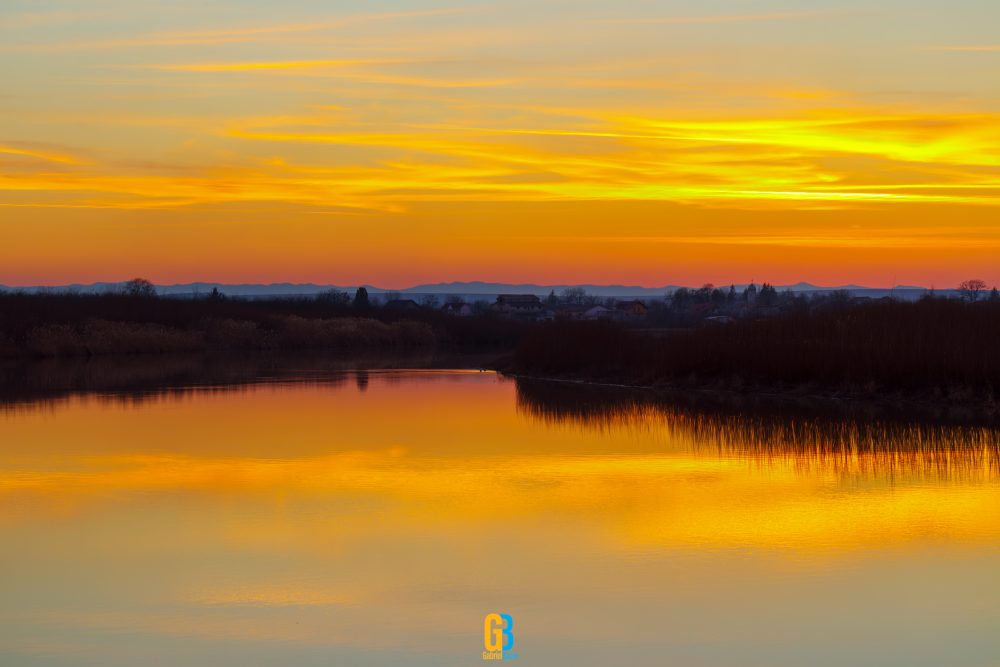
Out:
{"x": 376, "y": 517}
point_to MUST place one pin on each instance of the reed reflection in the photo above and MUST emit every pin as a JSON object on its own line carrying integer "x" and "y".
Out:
{"x": 299, "y": 515}
{"x": 817, "y": 436}
{"x": 138, "y": 379}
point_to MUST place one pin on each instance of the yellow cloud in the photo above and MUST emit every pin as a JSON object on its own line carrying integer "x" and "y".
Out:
{"x": 715, "y": 18}
{"x": 974, "y": 48}
{"x": 865, "y": 157}
{"x": 264, "y": 65}
{"x": 953, "y": 139}
{"x": 47, "y": 156}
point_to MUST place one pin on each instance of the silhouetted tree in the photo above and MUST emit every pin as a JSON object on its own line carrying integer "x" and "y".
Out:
{"x": 970, "y": 289}
{"x": 429, "y": 301}
{"x": 216, "y": 295}
{"x": 768, "y": 296}
{"x": 994, "y": 295}
{"x": 680, "y": 299}
{"x": 334, "y": 297}
{"x": 731, "y": 295}
{"x": 574, "y": 295}
{"x": 839, "y": 298}
{"x": 361, "y": 301}
{"x": 704, "y": 293}
{"x": 552, "y": 300}
{"x": 139, "y": 287}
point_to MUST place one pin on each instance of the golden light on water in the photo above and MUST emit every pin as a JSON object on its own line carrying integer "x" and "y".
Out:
{"x": 324, "y": 515}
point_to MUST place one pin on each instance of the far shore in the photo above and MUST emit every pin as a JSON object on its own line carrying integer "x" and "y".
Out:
{"x": 936, "y": 351}
{"x": 932, "y": 352}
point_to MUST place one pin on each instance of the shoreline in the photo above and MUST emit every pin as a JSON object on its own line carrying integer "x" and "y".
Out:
{"x": 984, "y": 407}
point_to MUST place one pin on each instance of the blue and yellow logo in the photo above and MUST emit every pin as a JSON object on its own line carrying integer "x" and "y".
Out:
{"x": 498, "y": 637}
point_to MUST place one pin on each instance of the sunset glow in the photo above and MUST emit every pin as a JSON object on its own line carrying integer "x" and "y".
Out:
{"x": 298, "y": 518}
{"x": 397, "y": 142}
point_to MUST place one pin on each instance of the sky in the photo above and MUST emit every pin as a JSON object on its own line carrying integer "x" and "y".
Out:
{"x": 395, "y": 142}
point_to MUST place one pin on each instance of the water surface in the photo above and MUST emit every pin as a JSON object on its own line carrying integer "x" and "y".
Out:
{"x": 375, "y": 517}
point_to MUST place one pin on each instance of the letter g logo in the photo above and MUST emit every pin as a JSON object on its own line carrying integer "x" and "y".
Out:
{"x": 498, "y": 632}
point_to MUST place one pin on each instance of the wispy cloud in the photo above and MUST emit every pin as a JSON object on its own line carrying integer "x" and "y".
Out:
{"x": 240, "y": 34}
{"x": 975, "y": 48}
{"x": 265, "y": 65}
{"x": 864, "y": 157}
{"x": 367, "y": 71}
{"x": 710, "y": 19}
{"x": 254, "y": 32}
{"x": 40, "y": 154}
{"x": 33, "y": 19}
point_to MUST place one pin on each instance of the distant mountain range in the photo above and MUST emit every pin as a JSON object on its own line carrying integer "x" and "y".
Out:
{"x": 467, "y": 290}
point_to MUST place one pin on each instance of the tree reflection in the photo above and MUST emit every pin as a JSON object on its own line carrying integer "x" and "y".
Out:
{"x": 844, "y": 438}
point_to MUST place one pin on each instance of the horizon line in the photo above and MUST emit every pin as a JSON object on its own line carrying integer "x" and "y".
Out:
{"x": 192, "y": 283}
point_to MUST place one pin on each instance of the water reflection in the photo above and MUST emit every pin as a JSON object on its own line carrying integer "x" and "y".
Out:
{"x": 373, "y": 516}
{"x": 138, "y": 378}
{"x": 846, "y": 438}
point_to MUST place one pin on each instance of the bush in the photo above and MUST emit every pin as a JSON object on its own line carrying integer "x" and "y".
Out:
{"x": 936, "y": 343}
{"x": 58, "y": 324}
{"x": 233, "y": 334}
{"x": 103, "y": 337}
{"x": 348, "y": 333}
{"x": 55, "y": 340}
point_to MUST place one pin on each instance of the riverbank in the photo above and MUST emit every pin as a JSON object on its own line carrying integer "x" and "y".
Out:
{"x": 71, "y": 325}
{"x": 919, "y": 353}
{"x": 135, "y": 378}
{"x": 804, "y": 400}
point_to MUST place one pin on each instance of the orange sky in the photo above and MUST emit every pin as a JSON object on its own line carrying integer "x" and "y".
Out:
{"x": 549, "y": 142}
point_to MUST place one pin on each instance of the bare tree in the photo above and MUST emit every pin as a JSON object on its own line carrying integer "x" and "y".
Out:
{"x": 334, "y": 296}
{"x": 970, "y": 289}
{"x": 139, "y": 287}
{"x": 574, "y": 295}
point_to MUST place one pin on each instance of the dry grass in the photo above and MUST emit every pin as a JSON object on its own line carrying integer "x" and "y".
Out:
{"x": 940, "y": 346}
{"x": 101, "y": 337}
{"x": 55, "y": 325}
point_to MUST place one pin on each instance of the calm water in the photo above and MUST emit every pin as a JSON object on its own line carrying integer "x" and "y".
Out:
{"x": 375, "y": 518}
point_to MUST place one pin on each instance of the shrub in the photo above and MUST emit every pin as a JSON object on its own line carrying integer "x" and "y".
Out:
{"x": 939, "y": 343}
{"x": 55, "y": 340}
{"x": 103, "y": 337}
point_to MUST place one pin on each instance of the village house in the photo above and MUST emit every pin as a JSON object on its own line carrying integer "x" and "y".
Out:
{"x": 457, "y": 309}
{"x": 598, "y": 313}
{"x": 630, "y": 310}
{"x": 570, "y": 312}
{"x": 401, "y": 304}
{"x": 518, "y": 305}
